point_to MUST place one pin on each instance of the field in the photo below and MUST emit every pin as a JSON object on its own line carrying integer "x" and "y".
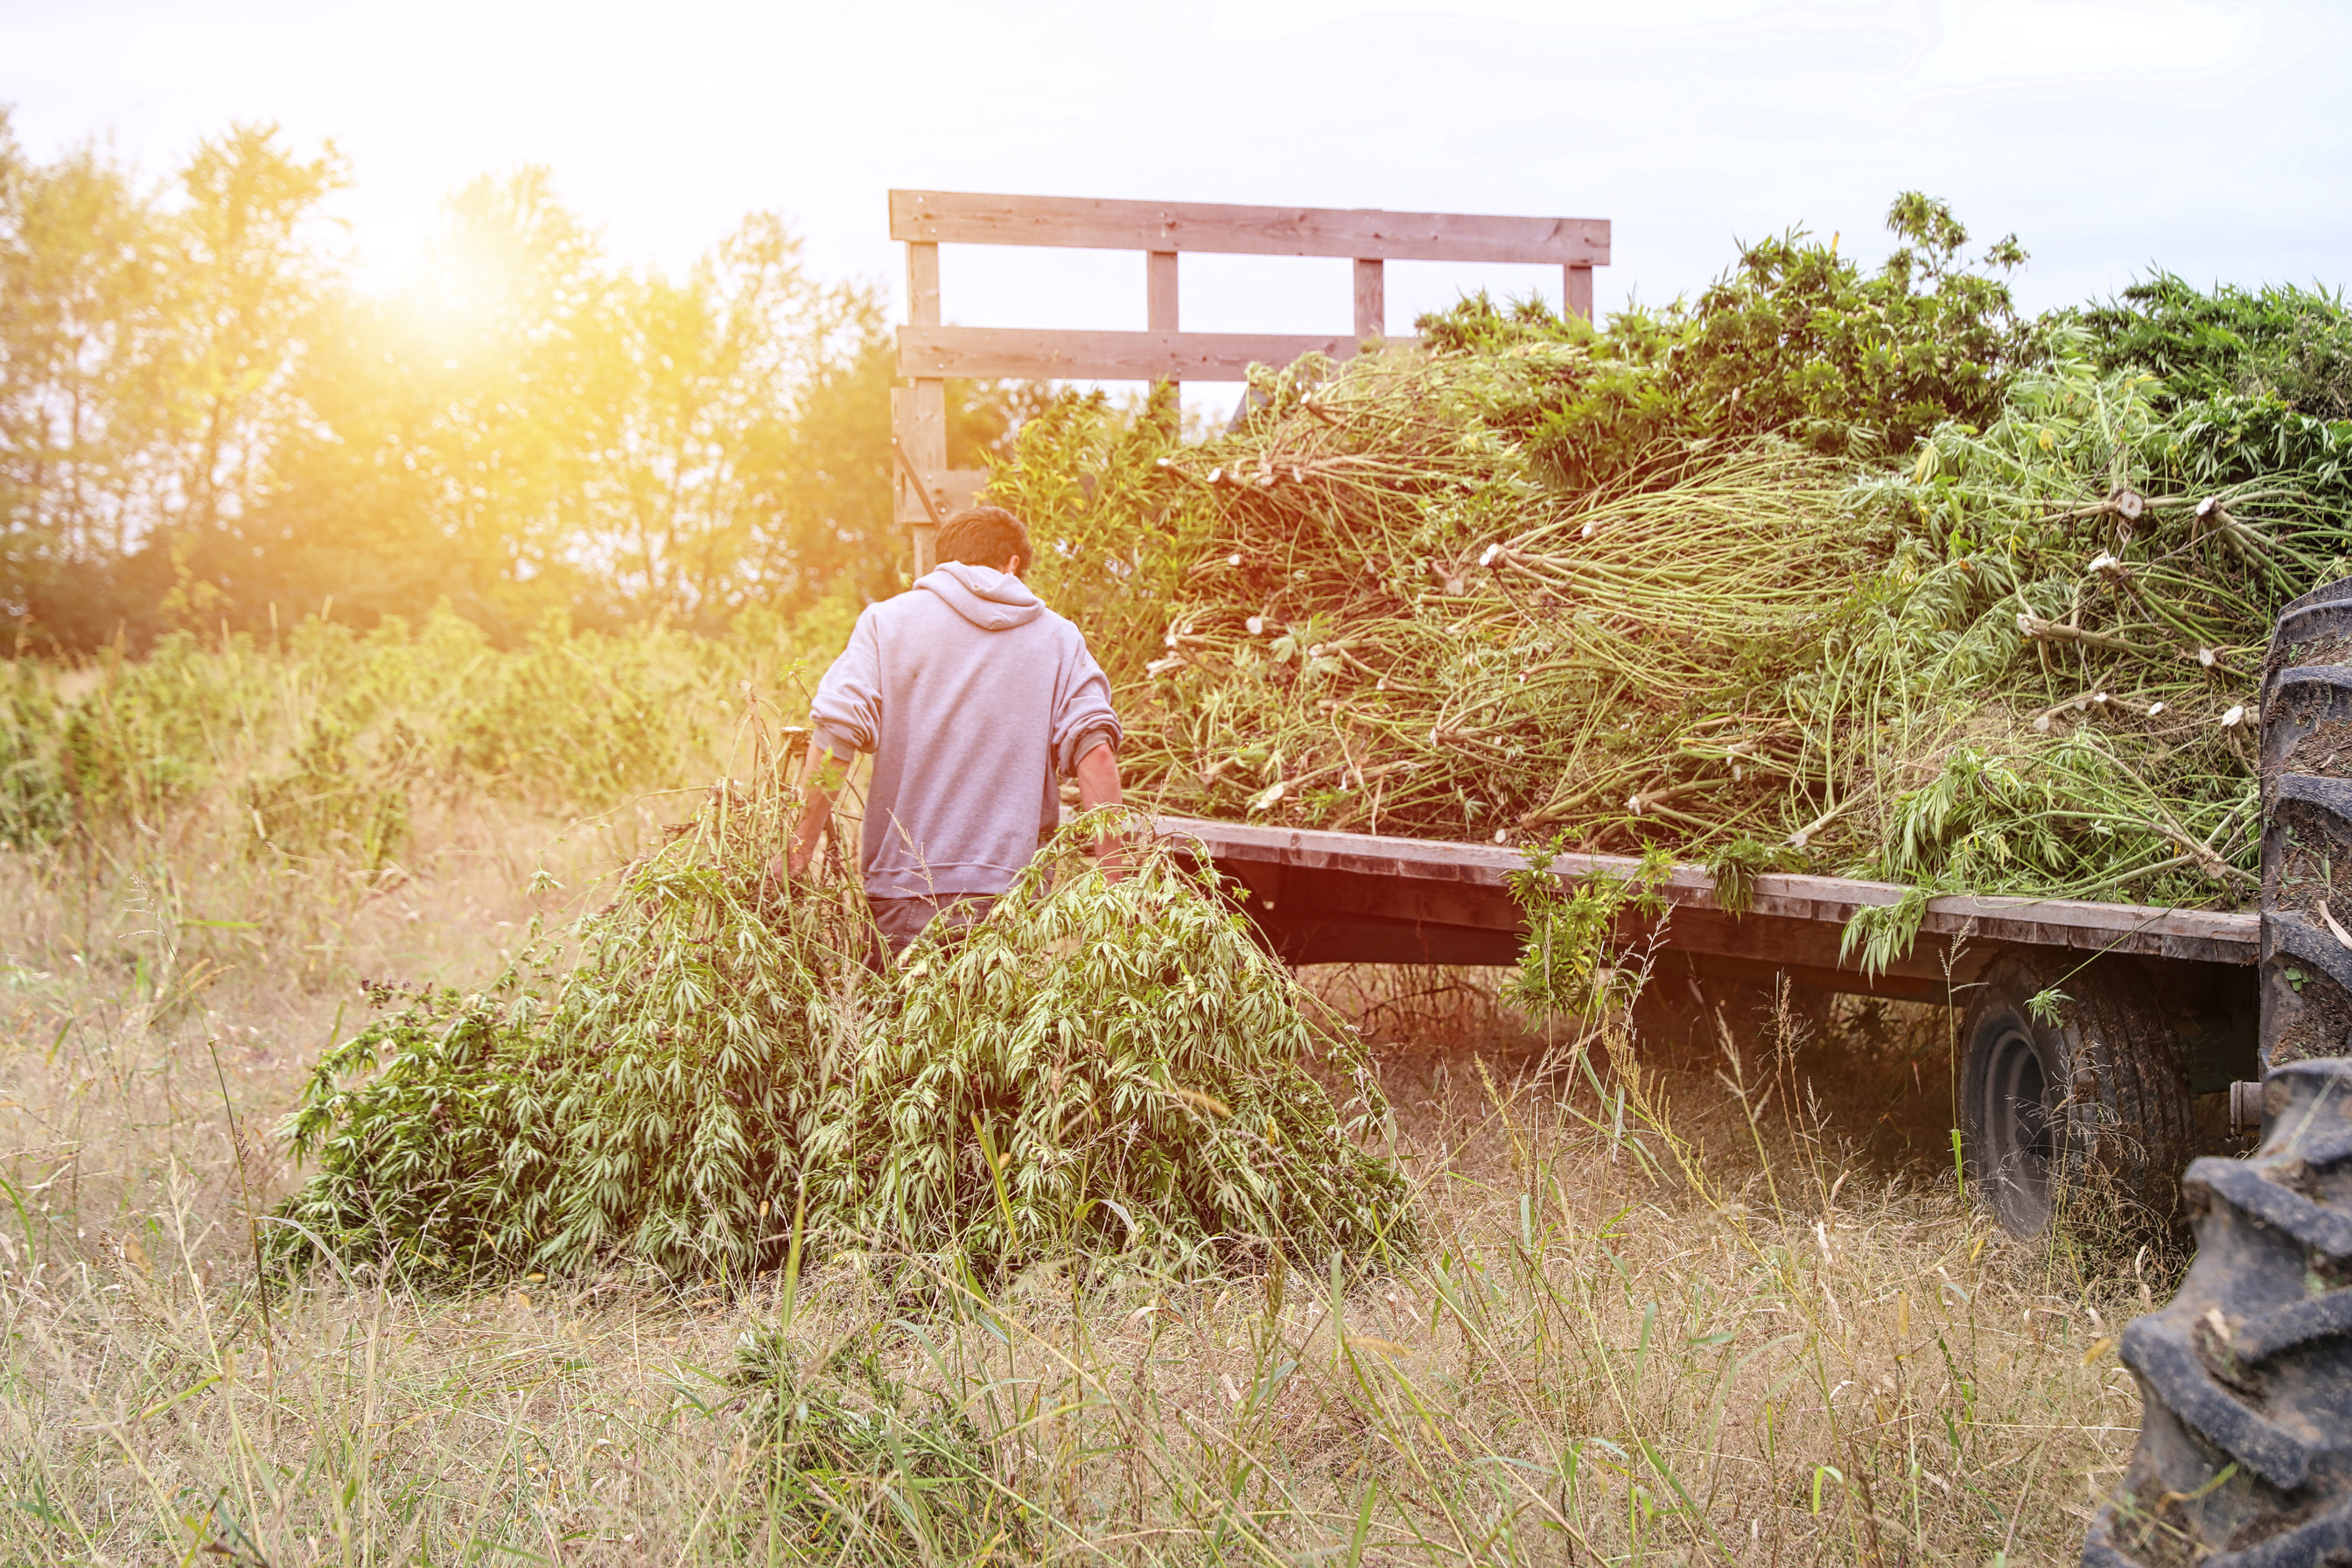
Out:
{"x": 1736, "y": 1312}
{"x": 1854, "y": 571}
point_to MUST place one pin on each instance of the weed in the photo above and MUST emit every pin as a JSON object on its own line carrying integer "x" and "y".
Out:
{"x": 1099, "y": 1068}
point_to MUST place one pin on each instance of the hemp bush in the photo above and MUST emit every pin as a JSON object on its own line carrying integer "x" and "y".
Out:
{"x": 1101, "y": 1066}
{"x": 648, "y": 1106}
{"x": 1105, "y": 1066}
{"x": 1793, "y": 340}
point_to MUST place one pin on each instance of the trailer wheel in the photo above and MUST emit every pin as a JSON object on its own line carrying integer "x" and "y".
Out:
{"x": 2095, "y": 1101}
{"x": 2245, "y": 1377}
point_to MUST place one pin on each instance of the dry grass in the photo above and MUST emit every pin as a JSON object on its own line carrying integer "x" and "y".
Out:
{"x": 1664, "y": 1319}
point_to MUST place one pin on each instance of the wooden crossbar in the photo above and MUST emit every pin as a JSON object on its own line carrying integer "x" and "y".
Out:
{"x": 961, "y": 217}
{"x": 1041, "y": 355}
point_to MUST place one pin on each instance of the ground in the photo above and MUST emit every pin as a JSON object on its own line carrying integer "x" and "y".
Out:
{"x": 1727, "y": 1311}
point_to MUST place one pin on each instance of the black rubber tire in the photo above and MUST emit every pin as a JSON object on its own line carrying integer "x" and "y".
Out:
{"x": 2306, "y": 760}
{"x": 2094, "y": 1105}
{"x": 2245, "y": 1448}
{"x": 2245, "y": 1445}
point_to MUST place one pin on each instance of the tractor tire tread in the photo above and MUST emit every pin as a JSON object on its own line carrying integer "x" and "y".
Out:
{"x": 2245, "y": 1452}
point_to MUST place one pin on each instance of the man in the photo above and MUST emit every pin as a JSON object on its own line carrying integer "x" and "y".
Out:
{"x": 975, "y": 699}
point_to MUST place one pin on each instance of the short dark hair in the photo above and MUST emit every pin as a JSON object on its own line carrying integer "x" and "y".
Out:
{"x": 983, "y": 536}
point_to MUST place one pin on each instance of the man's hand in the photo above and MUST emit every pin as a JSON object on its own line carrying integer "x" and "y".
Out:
{"x": 1098, "y": 786}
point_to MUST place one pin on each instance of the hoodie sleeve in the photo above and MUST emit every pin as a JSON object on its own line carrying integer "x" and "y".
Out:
{"x": 848, "y": 713}
{"x": 1083, "y": 717}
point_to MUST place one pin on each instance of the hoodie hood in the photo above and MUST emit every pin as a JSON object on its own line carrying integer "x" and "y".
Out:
{"x": 982, "y": 595}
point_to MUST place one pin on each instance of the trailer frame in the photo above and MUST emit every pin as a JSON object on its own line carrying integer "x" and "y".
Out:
{"x": 1323, "y": 896}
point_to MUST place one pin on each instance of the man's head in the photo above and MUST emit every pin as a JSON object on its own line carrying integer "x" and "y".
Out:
{"x": 985, "y": 536}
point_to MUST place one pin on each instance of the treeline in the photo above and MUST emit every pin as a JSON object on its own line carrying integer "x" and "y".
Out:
{"x": 205, "y": 421}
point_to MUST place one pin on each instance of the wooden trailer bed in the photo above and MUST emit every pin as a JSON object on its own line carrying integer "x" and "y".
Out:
{"x": 1353, "y": 898}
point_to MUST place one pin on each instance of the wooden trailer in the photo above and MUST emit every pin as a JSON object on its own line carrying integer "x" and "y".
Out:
{"x": 2159, "y": 1006}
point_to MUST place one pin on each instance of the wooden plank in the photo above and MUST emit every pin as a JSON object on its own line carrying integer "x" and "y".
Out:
{"x": 2211, "y": 936}
{"x": 1036, "y": 355}
{"x": 1159, "y": 286}
{"x": 962, "y": 217}
{"x": 923, "y": 433}
{"x": 1576, "y": 293}
{"x": 906, "y": 510}
{"x": 958, "y": 487}
{"x": 919, "y": 417}
{"x": 1764, "y": 972}
{"x": 1159, "y": 312}
{"x": 1371, "y": 299}
{"x": 951, "y": 489}
{"x": 923, "y": 285}
{"x": 1344, "y": 938}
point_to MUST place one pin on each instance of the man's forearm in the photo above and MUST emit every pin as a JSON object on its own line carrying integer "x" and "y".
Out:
{"x": 816, "y": 815}
{"x": 1098, "y": 786}
{"x": 1099, "y": 778}
{"x": 820, "y": 782}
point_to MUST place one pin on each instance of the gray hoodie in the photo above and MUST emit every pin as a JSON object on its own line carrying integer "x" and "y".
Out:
{"x": 973, "y": 698}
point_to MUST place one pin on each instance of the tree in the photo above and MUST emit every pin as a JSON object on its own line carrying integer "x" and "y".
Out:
{"x": 151, "y": 343}
{"x": 83, "y": 355}
{"x": 203, "y": 422}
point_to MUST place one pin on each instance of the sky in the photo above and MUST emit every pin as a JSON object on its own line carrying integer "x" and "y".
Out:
{"x": 2210, "y": 139}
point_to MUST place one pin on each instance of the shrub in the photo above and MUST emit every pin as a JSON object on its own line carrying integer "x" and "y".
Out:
{"x": 1111, "y": 1066}
{"x": 1794, "y": 340}
{"x": 1099, "y": 1067}
{"x": 649, "y": 1106}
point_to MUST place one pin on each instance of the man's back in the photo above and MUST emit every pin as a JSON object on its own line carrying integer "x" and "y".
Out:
{"x": 975, "y": 698}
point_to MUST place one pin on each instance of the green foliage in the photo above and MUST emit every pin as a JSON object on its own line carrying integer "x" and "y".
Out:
{"x": 1109, "y": 531}
{"x": 521, "y": 721}
{"x": 1099, "y": 1067}
{"x": 2277, "y": 342}
{"x": 1794, "y": 340}
{"x": 2253, "y": 380}
{"x": 2064, "y": 813}
{"x": 332, "y": 799}
{"x": 1381, "y": 618}
{"x": 204, "y": 422}
{"x": 317, "y": 751}
{"x": 1105, "y": 1066}
{"x": 1748, "y": 648}
{"x": 649, "y": 1107}
{"x": 1567, "y": 966}
{"x": 1878, "y": 934}
{"x": 2018, "y": 661}
{"x": 151, "y": 339}
{"x": 1736, "y": 866}
{"x": 36, "y": 804}
{"x": 142, "y": 738}
{"x": 2113, "y": 647}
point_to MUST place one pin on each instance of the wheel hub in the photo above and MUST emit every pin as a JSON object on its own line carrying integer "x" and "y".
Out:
{"x": 2017, "y": 1143}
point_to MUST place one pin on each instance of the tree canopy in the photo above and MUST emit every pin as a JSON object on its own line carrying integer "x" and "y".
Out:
{"x": 205, "y": 420}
